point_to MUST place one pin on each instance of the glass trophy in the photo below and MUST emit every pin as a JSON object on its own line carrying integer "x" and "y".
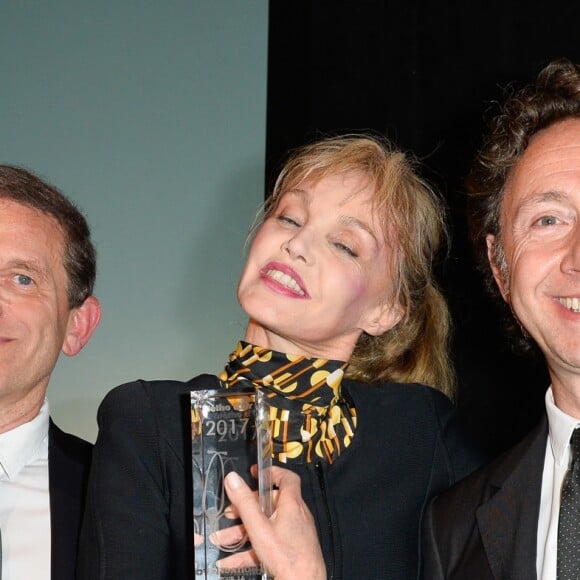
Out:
{"x": 230, "y": 431}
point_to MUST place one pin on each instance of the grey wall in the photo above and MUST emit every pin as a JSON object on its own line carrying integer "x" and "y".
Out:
{"x": 151, "y": 117}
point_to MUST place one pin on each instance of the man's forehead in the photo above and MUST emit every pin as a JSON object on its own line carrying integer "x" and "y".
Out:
{"x": 27, "y": 226}
{"x": 21, "y": 212}
{"x": 552, "y": 157}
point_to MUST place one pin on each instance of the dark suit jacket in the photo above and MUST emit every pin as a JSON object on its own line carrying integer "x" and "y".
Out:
{"x": 485, "y": 527}
{"x": 69, "y": 460}
{"x": 367, "y": 505}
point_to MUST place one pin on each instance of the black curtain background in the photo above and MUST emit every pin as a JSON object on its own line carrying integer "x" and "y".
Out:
{"x": 424, "y": 73}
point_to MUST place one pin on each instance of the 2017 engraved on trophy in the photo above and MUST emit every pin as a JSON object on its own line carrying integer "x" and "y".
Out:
{"x": 230, "y": 432}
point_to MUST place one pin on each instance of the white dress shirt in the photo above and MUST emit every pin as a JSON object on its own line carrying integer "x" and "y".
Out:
{"x": 24, "y": 500}
{"x": 556, "y": 464}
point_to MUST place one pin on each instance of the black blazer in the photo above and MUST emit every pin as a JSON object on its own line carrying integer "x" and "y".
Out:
{"x": 367, "y": 505}
{"x": 69, "y": 460}
{"x": 486, "y": 526}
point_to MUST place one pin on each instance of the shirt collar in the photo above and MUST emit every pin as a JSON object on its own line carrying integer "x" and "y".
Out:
{"x": 561, "y": 427}
{"x": 24, "y": 444}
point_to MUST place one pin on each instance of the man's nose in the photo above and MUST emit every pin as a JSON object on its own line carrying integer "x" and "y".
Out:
{"x": 571, "y": 258}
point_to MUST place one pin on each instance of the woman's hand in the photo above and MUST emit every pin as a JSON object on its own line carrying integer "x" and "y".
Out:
{"x": 286, "y": 543}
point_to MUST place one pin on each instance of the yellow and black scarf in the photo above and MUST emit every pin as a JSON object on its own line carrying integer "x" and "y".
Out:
{"x": 309, "y": 417}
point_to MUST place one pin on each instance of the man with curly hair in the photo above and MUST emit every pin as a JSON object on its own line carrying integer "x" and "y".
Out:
{"x": 516, "y": 518}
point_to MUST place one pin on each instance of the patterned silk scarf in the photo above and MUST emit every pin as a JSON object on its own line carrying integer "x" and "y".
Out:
{"x": 309, "y": 417}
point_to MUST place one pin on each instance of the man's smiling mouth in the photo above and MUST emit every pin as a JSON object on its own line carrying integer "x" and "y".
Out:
{"x": 570, "y": 303}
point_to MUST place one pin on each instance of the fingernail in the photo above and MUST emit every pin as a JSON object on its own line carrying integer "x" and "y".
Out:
{"x": 234, "y": 480}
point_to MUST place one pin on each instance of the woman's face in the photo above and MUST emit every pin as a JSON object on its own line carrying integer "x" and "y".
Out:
{"x": 317, "y": 274}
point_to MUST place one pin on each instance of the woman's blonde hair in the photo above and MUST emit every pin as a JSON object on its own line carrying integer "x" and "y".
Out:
{"x": 412, "y": 217}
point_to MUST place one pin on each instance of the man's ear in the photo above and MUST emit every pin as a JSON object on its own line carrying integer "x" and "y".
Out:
{"x": 498, "y": 274}
{"x": 384, "y": 318}
{"x": 82, "y": 322}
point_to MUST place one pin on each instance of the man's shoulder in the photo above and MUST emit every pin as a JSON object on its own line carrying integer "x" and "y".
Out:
{"x": 69, "y": 462}
{"x": 470, "y": 492}
{"x": 68, "y": 444}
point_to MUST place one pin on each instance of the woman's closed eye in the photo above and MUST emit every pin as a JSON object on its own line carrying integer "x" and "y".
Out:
{"x": 288, "y": 220}
{"x": 346, "y": 249}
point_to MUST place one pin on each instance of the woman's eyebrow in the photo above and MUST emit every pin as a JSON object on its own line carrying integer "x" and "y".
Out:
{"x": 301, "y": 193}
{"x": 352, "y": 221}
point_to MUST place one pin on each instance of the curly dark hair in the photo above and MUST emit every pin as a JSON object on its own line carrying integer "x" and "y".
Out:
{"x": 21, "y": 186}
{"x": 553, "y": 97}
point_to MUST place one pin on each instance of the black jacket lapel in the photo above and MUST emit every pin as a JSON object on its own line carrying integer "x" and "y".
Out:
{"x": 508, "y": 521}
{"x": 68, "y": 467}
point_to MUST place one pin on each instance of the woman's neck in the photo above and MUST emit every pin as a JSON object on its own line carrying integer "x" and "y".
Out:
{"x": 258, "y": 335}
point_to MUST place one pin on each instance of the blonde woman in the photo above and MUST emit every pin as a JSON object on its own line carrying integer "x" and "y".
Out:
{"x": 337, "y": 284}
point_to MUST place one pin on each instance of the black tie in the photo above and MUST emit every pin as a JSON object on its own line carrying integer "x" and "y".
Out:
{"x": 569, "y": 523}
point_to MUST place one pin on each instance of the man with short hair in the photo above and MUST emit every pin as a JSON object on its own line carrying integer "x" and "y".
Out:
{"x": 47, "y": 273}
{"x": 505, "y": 521}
